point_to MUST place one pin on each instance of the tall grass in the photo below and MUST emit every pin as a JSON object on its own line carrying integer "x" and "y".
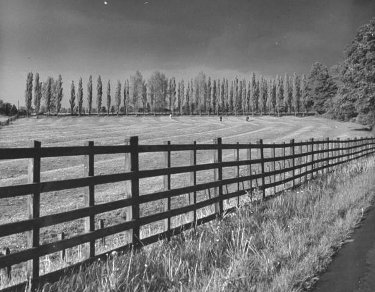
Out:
{"x": 278, "y": 245}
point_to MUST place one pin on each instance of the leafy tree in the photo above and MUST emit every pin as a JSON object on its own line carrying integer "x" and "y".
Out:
{"x": 80, "y": 96}
{"x": 320, "y": 88}
{"x": 357, "y": 77}
{"x": 72, "y": 98}
{"x": 29, "y": 92}
{"x": 118, "y": 97}
{"x": 306, "y": 102}
{"x": 89, "y": 95}
{"x": 99, "y": 94}
{"x": 59, "y": 93}
{"x": 37, "y": 93}
{"x": 108, "y": 96}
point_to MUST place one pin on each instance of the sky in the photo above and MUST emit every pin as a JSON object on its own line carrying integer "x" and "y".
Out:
{"x": 224, "y": 38}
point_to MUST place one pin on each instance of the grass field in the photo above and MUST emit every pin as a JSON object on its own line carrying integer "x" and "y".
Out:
{"x": 66, "y": 131}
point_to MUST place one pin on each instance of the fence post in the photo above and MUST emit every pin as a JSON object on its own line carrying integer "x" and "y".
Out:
{"x": 167, "y": 187}
{"x": 128, "y": 211}
{"x": 273, "y": 155}
{"x": 328, "y": 142}
{"x": 218, "y": 176}
{"x": 193, "y": 180}
{"x": 101, "y": 226}
{"x": 312, "y": 158}
{"x": 293, "y": 162}
{"x": 237, "y": 170}
{"x": 89, "y": 198}
{"x": 4, "y": 252}
{"x": 262, "y": 167}
{"x": 248, "y": 157}
{"x": 284, "y": 173}
{"x": 134, "y": 167}
{"x": 33, "y": 207}
{"x": 61, "y": 236}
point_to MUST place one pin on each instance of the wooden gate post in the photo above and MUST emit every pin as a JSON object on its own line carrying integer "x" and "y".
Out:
{"x": 218, "y": 176}
{"x": 89, "y": 199}
{"x": 33, "y": 208}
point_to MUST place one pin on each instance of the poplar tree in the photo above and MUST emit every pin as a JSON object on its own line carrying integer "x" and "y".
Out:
{"x": 296, "y": 93}
{"x": 29, "y": 92}
{"x": 244, "y": 97}
{"x": 118, "y": 96}
{"x": 72, "y": 98}
{"x": 126, "y": 96}
{"x": 59, "y": 93}
{"x": 279, "y": 94}
{"x": 37, "y": 93}
{"x": 269, "y": 96}
{"x": 99, "y": 94}
{"x": 305, "y": 100}
{"x": 48, "y": 94}
{"x": 231, "y": 98}
{"x": 80, "y": 96}
{"x": 89, "y": 95}
{"x": 108, "y": 97}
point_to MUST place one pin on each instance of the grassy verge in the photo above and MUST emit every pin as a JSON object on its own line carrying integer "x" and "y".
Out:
{"x": 279, "y": 245}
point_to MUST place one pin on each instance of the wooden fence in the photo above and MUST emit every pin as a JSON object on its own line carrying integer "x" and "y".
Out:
{"x": 9, "y": 120}
{"x": 264, "y": 169}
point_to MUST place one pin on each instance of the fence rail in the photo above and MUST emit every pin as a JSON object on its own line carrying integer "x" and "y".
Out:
{"x": 269, "y": 168}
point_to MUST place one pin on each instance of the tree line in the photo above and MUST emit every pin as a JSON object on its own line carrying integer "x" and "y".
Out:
{"x": 199, "y": 95}
{"x": 343, "y": 91}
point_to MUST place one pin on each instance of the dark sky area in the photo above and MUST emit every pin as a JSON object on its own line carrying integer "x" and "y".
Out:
{"x": 179, "y": 37}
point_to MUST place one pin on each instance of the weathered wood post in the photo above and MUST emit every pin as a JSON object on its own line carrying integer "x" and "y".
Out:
{"x": 248, "y": 157}
{"x": 312, "y": 157}
{"x": 328, "y": 143}
{"x": 262, "y": 167}
{"x": 273, "y": 155}
{"x": 61, "y": 236}
{"x": 89, "y": 198}
{"x": 128, "y": 211}
{"x": 193, "y": 181}
{"x": 8, "y": 270}
{"x": 33, "y": 208}
{"x": 293, "y": 161}
{"x": 101, "y": 226}
{"x": 237, "y": 170}
{"x": 218, "y": 176}
{"x": 134, "y": 152}
{"x": 167, "y": 187}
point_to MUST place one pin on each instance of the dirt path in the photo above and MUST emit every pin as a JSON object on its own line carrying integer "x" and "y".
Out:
{"x": 353, "y": 268}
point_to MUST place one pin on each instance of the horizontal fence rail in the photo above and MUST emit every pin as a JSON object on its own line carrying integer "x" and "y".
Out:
{"x": 259, "y": 171}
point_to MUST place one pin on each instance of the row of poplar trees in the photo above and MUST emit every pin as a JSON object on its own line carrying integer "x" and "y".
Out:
{"x": 200, "y": 95}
